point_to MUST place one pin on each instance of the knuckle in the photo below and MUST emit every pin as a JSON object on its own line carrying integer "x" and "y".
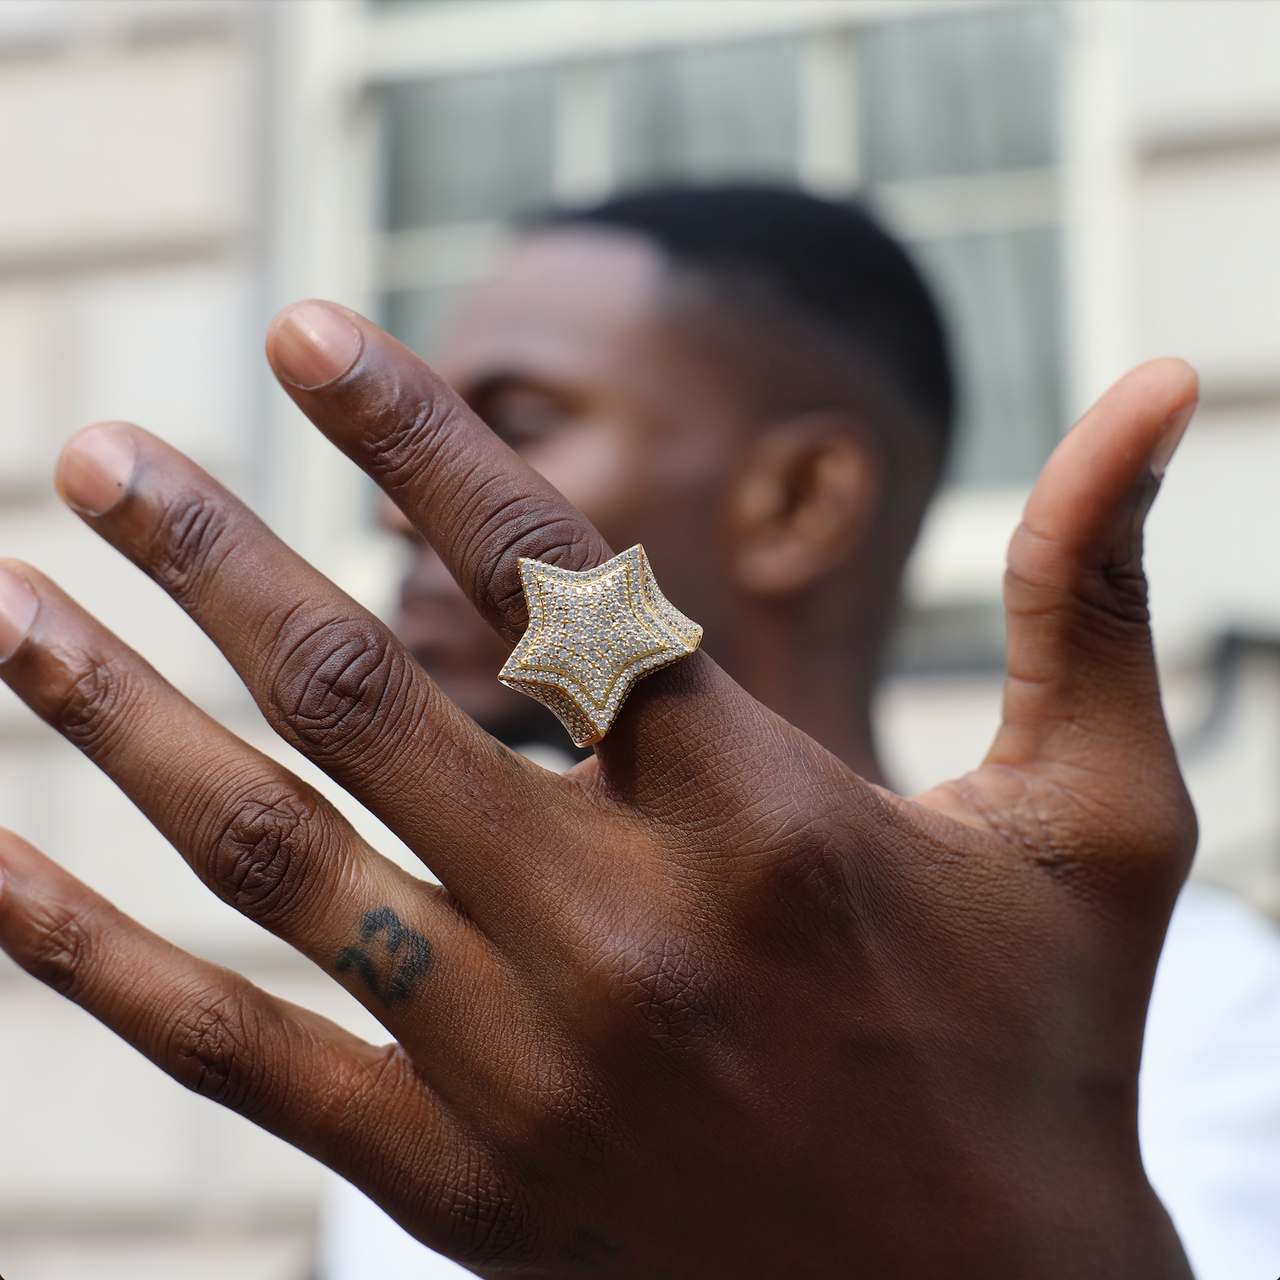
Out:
{"x": 337, "y": 682}
{"x": 1111, "y": 590}
{"x": 522, "y": 527}
{"x": 807, "y": 885}
{"x": 58, "y": 950}
{"x": 499, "y": 519}
{"x": 473, "y": 1198}
{"x": 89, "y": 705}
{"x": 403, "y": 451}
{"x": 566, "y": 1106}
{"x": 264, "y": 853}
{"x": 1108, "y": 605}
{"x": 668, "y": 985}
{"x": 208, "y": 1048}
{"x": 660, "y": 988}
{"x": 1122, "y": 593}
{"x": 188, "y": 546}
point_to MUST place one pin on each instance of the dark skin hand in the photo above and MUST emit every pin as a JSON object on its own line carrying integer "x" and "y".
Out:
{"x": 708, "y": 1005}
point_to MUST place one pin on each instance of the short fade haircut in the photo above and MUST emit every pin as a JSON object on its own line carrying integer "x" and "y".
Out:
{"x": 831, "y": 261}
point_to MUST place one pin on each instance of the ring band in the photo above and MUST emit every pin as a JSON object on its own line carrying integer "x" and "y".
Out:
{"x": 591, "y": 636}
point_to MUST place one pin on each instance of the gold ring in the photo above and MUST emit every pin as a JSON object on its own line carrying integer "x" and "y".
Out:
{"x": 591, "y": 636}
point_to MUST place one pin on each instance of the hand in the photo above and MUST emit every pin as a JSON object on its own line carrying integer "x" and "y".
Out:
{"x": 708, "y": 1005}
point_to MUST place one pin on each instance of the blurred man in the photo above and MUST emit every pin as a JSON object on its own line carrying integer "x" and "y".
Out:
{"x": 756, "y": 375}
{"x": 755, "y": 385}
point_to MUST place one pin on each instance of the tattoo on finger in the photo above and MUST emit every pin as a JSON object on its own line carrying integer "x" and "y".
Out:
{"x": 408, "y": 951}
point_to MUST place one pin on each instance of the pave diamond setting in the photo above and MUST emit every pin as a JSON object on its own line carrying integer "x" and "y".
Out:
{"x": 591, "y": 636}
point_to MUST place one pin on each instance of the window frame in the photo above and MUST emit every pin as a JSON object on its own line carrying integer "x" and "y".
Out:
{"x": 334, "y": 56}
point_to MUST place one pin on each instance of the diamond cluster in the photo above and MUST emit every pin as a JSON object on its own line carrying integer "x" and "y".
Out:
{"x": 591, "y": 636}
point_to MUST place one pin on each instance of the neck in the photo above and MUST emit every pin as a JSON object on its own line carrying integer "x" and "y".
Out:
{"x": 823, "y": 688}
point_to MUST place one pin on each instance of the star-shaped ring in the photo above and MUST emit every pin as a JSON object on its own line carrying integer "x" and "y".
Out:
{"x": 591, "y": 636}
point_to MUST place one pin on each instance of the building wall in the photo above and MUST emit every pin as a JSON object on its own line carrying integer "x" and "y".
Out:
{"x": 1201, "y": 115}
{"x": 169, "y": 174}
{"x": 133, "y": 284}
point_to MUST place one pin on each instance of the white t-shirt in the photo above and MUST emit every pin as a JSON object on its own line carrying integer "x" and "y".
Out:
{"x": 1209, "y": 1092}
{"x": 1208, "y": 1111}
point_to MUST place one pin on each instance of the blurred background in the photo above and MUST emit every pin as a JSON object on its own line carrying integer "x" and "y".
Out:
{"x": 1085, "y": 185}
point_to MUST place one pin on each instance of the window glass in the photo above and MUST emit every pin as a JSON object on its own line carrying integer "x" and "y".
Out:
{"x": 966, "y": 94}
{"x": 943, "y": 101}
{"x": 1000, "y": 296}
{"x": 965, "y": 99}
{"x": 420, "y": 317}
{"x": 468, "y": 148}
{"x": 728, "y": 112}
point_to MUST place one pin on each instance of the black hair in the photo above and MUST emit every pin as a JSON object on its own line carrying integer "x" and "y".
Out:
{"x": 832, "y": 261}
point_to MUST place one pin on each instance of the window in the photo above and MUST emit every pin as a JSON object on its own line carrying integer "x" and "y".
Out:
{"x": 960, "y": 138}
{"x": 707, "y": 114}
{"x": 946, "y": 125}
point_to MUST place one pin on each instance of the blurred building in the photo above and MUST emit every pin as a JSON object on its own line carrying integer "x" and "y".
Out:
{"x": 1086, "y": 184}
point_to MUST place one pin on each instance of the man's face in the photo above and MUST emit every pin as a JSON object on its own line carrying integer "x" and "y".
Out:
{"x": 566, "y": 355}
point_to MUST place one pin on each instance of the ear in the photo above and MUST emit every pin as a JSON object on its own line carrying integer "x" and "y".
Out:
{"x": 803, "y": 502}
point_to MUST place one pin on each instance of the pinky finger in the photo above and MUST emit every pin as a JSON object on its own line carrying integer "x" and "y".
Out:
{"x": 289, "y": 1070}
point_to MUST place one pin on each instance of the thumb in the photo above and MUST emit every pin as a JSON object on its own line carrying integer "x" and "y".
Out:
{"x": 1082, "y": 710}
{"x": 1081, "y": 667}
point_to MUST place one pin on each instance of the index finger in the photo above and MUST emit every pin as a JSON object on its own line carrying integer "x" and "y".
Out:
{"x": 479, "y": 504}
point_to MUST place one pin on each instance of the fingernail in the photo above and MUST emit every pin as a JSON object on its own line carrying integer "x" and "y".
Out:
{"x": 1175, "y": 427}
{"x": 312, "y": 344}
{"x": 96, "y": 467}
{"x": 18, "y": 609}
